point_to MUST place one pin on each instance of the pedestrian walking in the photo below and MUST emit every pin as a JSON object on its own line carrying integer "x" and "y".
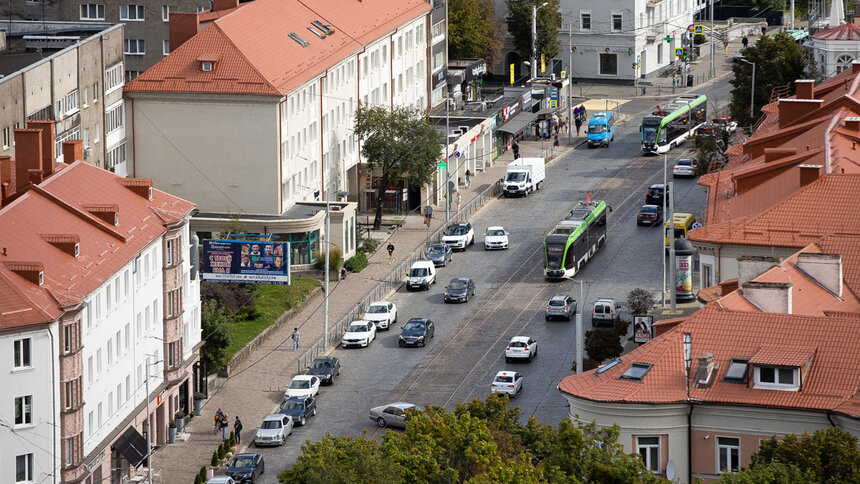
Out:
{"x": 224, "y": 426}
{"x": 459, "y": 200}
{"x": 745, "y": 41}
{"x": 764, "y": 27}
{"x": 578, "y": 125}
{"x": 237, "y": 430}
{"x": 566, "y": 125}
{"x": 576, "y": 112}
{"x": 555, "y": 140}
{"x": 516, "y": 149}
{"x": 726, "y": 47}
{"x": 390, "y": 249}
{"x": 468, "y": 179}
{"x": 295, "y": 337}
{"x": 582, "y": 112}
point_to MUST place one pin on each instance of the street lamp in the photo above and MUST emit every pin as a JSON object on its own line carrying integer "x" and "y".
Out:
{"x": 534, "y": 37}
{"x": 339, "y": 194}
{"x": 149, "y": 426}
{"x": 752, "y": 91}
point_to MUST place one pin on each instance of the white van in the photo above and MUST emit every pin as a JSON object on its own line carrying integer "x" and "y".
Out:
{"x": 421, "y": 275}
{"x": 604, "y": 311}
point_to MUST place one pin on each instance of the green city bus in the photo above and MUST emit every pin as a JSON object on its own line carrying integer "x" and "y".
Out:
{"x": 577, "y": 238}
{"x": 661, "y": 132}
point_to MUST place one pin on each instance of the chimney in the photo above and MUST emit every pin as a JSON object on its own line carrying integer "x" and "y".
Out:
{"x": 182, "y": 27}
{"x": 728, "y": 286}
{"x": 855, "y": 67}
{"x": 852, "y": 123}
{"x": 5, "y": 169}
{"x": 770, "y": 297}
{"x": 824, "y": 269}
{"x": 73, "y": 151}
{"x": 35, "y": 176}
{"x": 790, "y": 110}
{"x": 752, "y": 266}
{"x": 773, "y": 154}
{"x": 809, "y": 173}
{"x": 48, "y": 155}
{"x": 219, "y": 5}
{"x": 805, "y": 88}
{"x": 28, "y": 155}
{"x": 706, "y": 370}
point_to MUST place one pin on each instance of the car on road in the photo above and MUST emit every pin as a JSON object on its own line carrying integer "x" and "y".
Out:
{"x": 495, "y": 238}
{"x": 684, "y": 167}
{"x": 521, "y": 348}
{"x": 654, "y": 195}
{"x": 728, "y": 124}
{"x": 359, "y": 333}
{"x": 459, "y": 290}
{"x": 299, "y": 408}
{"x": 508, "y": 382}
{"x": 604, "y": 311}
{"x": 303, "y": 386}
{"x": 381, "y": 313}
{"x": 274, "y": 430}
{"x": 325, "y": 368}
{"x": 440, "y": 254}
{"x": 246, "y": 468}
{"x": 739, "y": 55}
{"x": 560, "y": 306}
{"x": 416, "y": 332}
{"x": 220, "y": 480}
{"x": 421, "y": 275}
{"x": 649, "y": 215}
{"x": 393, "y": 414}
{"x": 459, "y": 236}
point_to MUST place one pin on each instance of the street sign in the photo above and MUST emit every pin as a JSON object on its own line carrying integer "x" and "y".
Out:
{"x": 638, "y": 58}
{"x": 667, "y": 38}
{"x": 679, "y": 52}
{"x": 512, "y": 73}
{"x": 442, "y": 164}
{"x": 542, "y": 63}
{"x": 564, "y": 74}
{"x": 698, "y": 29}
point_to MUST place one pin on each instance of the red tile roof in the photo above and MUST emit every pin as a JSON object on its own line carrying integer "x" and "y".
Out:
{"x": 847, "y": 31}
{"x": 781, "y": 355}
{"x": 831, "y": 382}
{"x": 257, "y": 56}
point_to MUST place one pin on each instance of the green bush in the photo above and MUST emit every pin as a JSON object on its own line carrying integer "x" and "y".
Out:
{"x": 222, "y": 450}
{"x": 197, "y": 479}
{"x": 335, "y": 259}
{"x": 357, "y": 262}
{"x": 214, "y": 462}
{"x": 368, "y": 245}
{"x": 247, "y": 313}
{"x": 699, "y": 39}
{"x": 202, "y": 474}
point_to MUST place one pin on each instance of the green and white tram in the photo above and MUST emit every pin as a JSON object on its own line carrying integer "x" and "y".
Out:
{"x": 577, "y": 238}
{"x": 662, "y": 132}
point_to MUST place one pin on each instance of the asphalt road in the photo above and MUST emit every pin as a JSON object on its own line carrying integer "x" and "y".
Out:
{"x": 468, "y": 348}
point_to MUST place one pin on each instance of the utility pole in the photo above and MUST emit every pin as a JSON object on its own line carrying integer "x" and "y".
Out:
{"x": 665, "y": 234}
{"x": 534, "y": 41}
{"x": 673, "y": 279}
{"x": 579, "y": 337}
{"x": 325, "y": 283}
{"x": 570, "y": 83}
{"x": 712, "y": 38}
{"x": 447, "y": 171}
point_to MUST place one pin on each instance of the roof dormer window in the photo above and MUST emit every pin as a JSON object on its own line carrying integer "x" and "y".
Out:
{"x": 77, "y": 250}
{"x": 41, "y": 277}
{"x": 207, "y": 61}
{"x": 777, "y": 378}
{"x": 206, "y": 66}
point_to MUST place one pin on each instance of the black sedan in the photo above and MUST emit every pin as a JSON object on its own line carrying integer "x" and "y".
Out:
{"x": 459, "y": 290}
{"x": 300, "y": 408}
{"x": 440, "y": 254}
{"x": 649, "y": 215}
{"x": 246, "y": 468}
{"x": 416, "y": 332}
{"x": 325, "y": 368}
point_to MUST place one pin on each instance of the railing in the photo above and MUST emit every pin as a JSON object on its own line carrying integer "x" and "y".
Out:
{"x": 396, "y": 276}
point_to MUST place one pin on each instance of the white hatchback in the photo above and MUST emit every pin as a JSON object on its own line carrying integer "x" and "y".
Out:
{"x": 381, "y": 313}
{"x": 496, "y": 238}
{"x": 521, "y": 348}
{"x": 359, "y": 333}
{"x": 509, "y": 382}
{"x": 303, "y": 386}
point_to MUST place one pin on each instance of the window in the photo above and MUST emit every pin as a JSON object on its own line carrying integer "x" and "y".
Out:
{"x": 108, "y": 299}
{"x": 113, "y": 80}
{"x": 637, "y": 371}
{"x": 608, "y": 64}
{"x": 127, "y": 387}
{"x": 169, "y": 252}
{"x": 92, "y": 11}
{"x": 24, "y": 468}
{"x": 67, "y": 339}
{"x": 616, "y": 22}
{"x": 737, "y": 371}
{"x": 165, "y": 47}
{"x": 649, "y": 449}
{"x": 24, "y": 410}
{"x": 7, "y": 137}
{"x": 171, "y": 348}
{"x": 109, "y": 354}
{"x": 66, "y": 105}
{"x": 165, "y": 12}
{"x": 135, "y": 46}
{"x": 776, "y": 378}
{"x": 131, "y": 12}
{"x": 127, "y": 335}
{"x": 99, "y": 362}
{"x": 115, "y": 156}
{"x": 89, "y": 370}
{"x": 728, "y": 454}
{"x": 585, "y": 20}
{"x": 21, "y": 353}
{"x": 96, "y": 133}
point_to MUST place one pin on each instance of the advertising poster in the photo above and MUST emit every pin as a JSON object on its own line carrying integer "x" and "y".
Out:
{"x": 642, "y": 329}
{"x": 233, "y": 261}
{"x": 684, "y": 274}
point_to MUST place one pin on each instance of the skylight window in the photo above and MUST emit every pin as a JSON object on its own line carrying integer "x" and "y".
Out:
{"x": 637, "y": 371}
{"x": 608, "y": 366}
{"x": 301, "y": 41}
{"x": 737, "y": 370}
{"x": 323, "y": 27}
{"x": 317, "y": 32}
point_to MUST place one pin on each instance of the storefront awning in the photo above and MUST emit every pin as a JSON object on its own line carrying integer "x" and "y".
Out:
{"x": 132, "y": 446}
{"x": 518, "y": 123}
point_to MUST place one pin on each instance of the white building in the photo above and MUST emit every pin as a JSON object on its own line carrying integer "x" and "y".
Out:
{"x": 835, "y": 49}
{"x": 97, "y": 295}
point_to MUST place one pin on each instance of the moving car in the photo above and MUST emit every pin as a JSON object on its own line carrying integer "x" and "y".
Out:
{"x": 325, "y": 368}
{"x": 655, "y": 194}
{"x": 495, "y": 238}
{"x": 604, "y": 311}
{"x": 459, "y": 290}
{"x": 601, "y": 129}
{"x": 299, "y": 408}
{"x": 359, "y": 333}
{"x": 684, "y": 167}
{"x": 459, "y": 236}
{"x": 303, "y": 386}
{"x": 220, "y": 480}
{"x": 521, "y": 348}
{"x": 560, "y": 306}
{"x": 649, "y": 215}
{"x": 416, "y": 332}
{"x": 381, "y": 313}
{"x": 274, "y": 430}
{"x": 440, "y": 254}
{"x": 245, "y": 468}
{"x": 509, "y": 382}
{"x": 393, "y": 414}
{"x": 421, "y": 275}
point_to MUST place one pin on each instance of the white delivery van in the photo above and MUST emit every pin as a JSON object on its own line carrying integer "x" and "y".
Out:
{"x": 421, "y": 275}
{"x": 604, "y": 311}
{"x": 524, "y": 175}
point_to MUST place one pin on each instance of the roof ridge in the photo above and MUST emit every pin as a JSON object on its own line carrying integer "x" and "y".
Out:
{"x": 241, "y": 53}
{"x": 14, "y": 287}
{"x": 80, "y": 213}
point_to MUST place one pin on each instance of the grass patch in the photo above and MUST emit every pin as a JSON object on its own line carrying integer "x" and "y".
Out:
{"x": 271, "y": 302}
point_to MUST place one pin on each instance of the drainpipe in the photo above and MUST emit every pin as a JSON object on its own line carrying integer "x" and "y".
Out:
{"x": 53, "y": 406}
{"x": 690, "y": 443}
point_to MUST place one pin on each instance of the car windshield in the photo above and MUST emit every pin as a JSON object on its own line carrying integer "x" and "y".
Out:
{"x": 648, "y": 210}
{"x": 357, "y": 328}
{"x": 596, "y": 128}
{"x": 655, "y": 192}
{"x": 554, "y": 254}
{"x": 436, "y": 249}
{"x": 418, "y": 272}
{"x": 321, "y": 364}
{"x": 496, "y": 232}
{"x": 271, "y": 424}
{"x": 504, "y": 379}
{"x": 294, "y": 405}
{"x": 684, "y": 163}
{"x": 517, "y": 344}
{"x": 300, "y": 384}
{"x": 556, "y": 302}
{"x": 242, "y": 462}
{"x": 456, "y": 230}
{"x": 457, "y": 285}
{"x": 516, "y": 176}
{"x": 378, "y": 309}
{"x": 649, "y": 134}
{"x": 414, "y": 326}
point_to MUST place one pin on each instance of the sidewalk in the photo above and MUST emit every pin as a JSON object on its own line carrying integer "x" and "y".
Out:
{"x": 255, "y": 388}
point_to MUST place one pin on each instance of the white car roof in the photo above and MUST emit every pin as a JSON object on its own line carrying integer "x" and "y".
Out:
{"x": 423, "y": 263}
{"x": 303, "y": 377}
{"x": 402, "y": 405}
{"x": 496, "y": 227}
{"x": 274, "y": 416}
{"x": 219, "y": 480}
{"x": 505, "y": 373}
{"x": 522, "y": 339}
{"x": 380, "y": 303}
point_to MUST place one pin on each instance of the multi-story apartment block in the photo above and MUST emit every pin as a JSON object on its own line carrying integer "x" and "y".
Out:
{"x": 98, "y": 303}
{"x": 79, "y": 87}
{"x": 439, "y": 52}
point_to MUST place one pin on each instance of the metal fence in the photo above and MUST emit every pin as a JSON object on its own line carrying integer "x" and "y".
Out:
{"x": 396, "y": 276}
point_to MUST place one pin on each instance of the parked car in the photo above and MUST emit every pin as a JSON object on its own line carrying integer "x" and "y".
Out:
{"x": 655, "y": 194}
{"x": 604, "y": 311}
{"x": 440, "y": 254}
{"x": 727, "y": 123}
{"x": 495, "y": 238}
{"x": 274, "y": 430}
{"x": 421, "y": 275}
{"x": 393, "y": 414}
{"x": 299, "y": 408}
{"x": 246, "y": 468}
{"x": 325, "y": 368}
{"x": 359, "y": 333}
{"x": 381, "y": 313}
{"x": 416, "y": 332}
{"x": 649, "y": 215}
{"x": 521, "y": 348}
{"x": 739, "y": 55}
{"x": 684, "y": 167}
{"x": 509, "y": 382}
{"x": 459, "y": 236}
{"x": 459, "y": 290}
{"x": 303, "y": 386}
{"x": 220, "y": 480}
{"x": 560, "y": 306}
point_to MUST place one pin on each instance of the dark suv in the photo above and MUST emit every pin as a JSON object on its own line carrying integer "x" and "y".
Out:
{"x": 655, "y": 194}
{"x": 416, "y": 332}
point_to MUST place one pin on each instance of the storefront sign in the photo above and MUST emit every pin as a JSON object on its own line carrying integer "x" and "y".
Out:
{"x": 440, "y": 77}
{"x": 683, "y": 274}
{"x": 95, "y": 461}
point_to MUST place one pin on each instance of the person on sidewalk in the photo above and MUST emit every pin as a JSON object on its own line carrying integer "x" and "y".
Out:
{"x": 237, "y": 430}
{"x": 295, "y": 337}
{"x": 555, "y": 140}
{"x": 764, "y": 27}
{"x": 225, "y": 424}
{"x": 516, "y": 149}
{"x": 582, "y": 112}
{"x": 390, "y": 252}
{"x": 745, "y": 41}
{"x": 459, "y": 201}
{"x": 468, "y": 179}
{"x": 578, "y": 125}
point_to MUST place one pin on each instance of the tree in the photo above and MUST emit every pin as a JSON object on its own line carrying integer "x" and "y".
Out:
{"x": 640, "y": 301}
{"x": 827, "y": 456}
{"x": 473, "y": 31}
{"x": 778, "y": 62}
{"x": 602, "y": 344}
{"x": 401, "y": 143}
{"x": 341, "y": 460}
{"x": 520, "y": 27}
{"x": 216, "y": 329}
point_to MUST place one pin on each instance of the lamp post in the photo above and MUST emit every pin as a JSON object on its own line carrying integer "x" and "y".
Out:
{"x": 570, "y": 83}
{"x": 711, "y": 72}
{"x": 535, "y": 8}
{"x": 579, "y": 336}
{"x": 339, "y": 194}
{"x": 752, "y": 90}
{"x": 149, "y": 427}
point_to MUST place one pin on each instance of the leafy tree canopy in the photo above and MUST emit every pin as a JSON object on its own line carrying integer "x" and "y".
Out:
{"x": 473, "y": 31}
{"x": 215, "y": 326}
{"x": 520, "y": 27}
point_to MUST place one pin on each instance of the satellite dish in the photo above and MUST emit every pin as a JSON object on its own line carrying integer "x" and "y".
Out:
{"x": 670, "y": 470}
